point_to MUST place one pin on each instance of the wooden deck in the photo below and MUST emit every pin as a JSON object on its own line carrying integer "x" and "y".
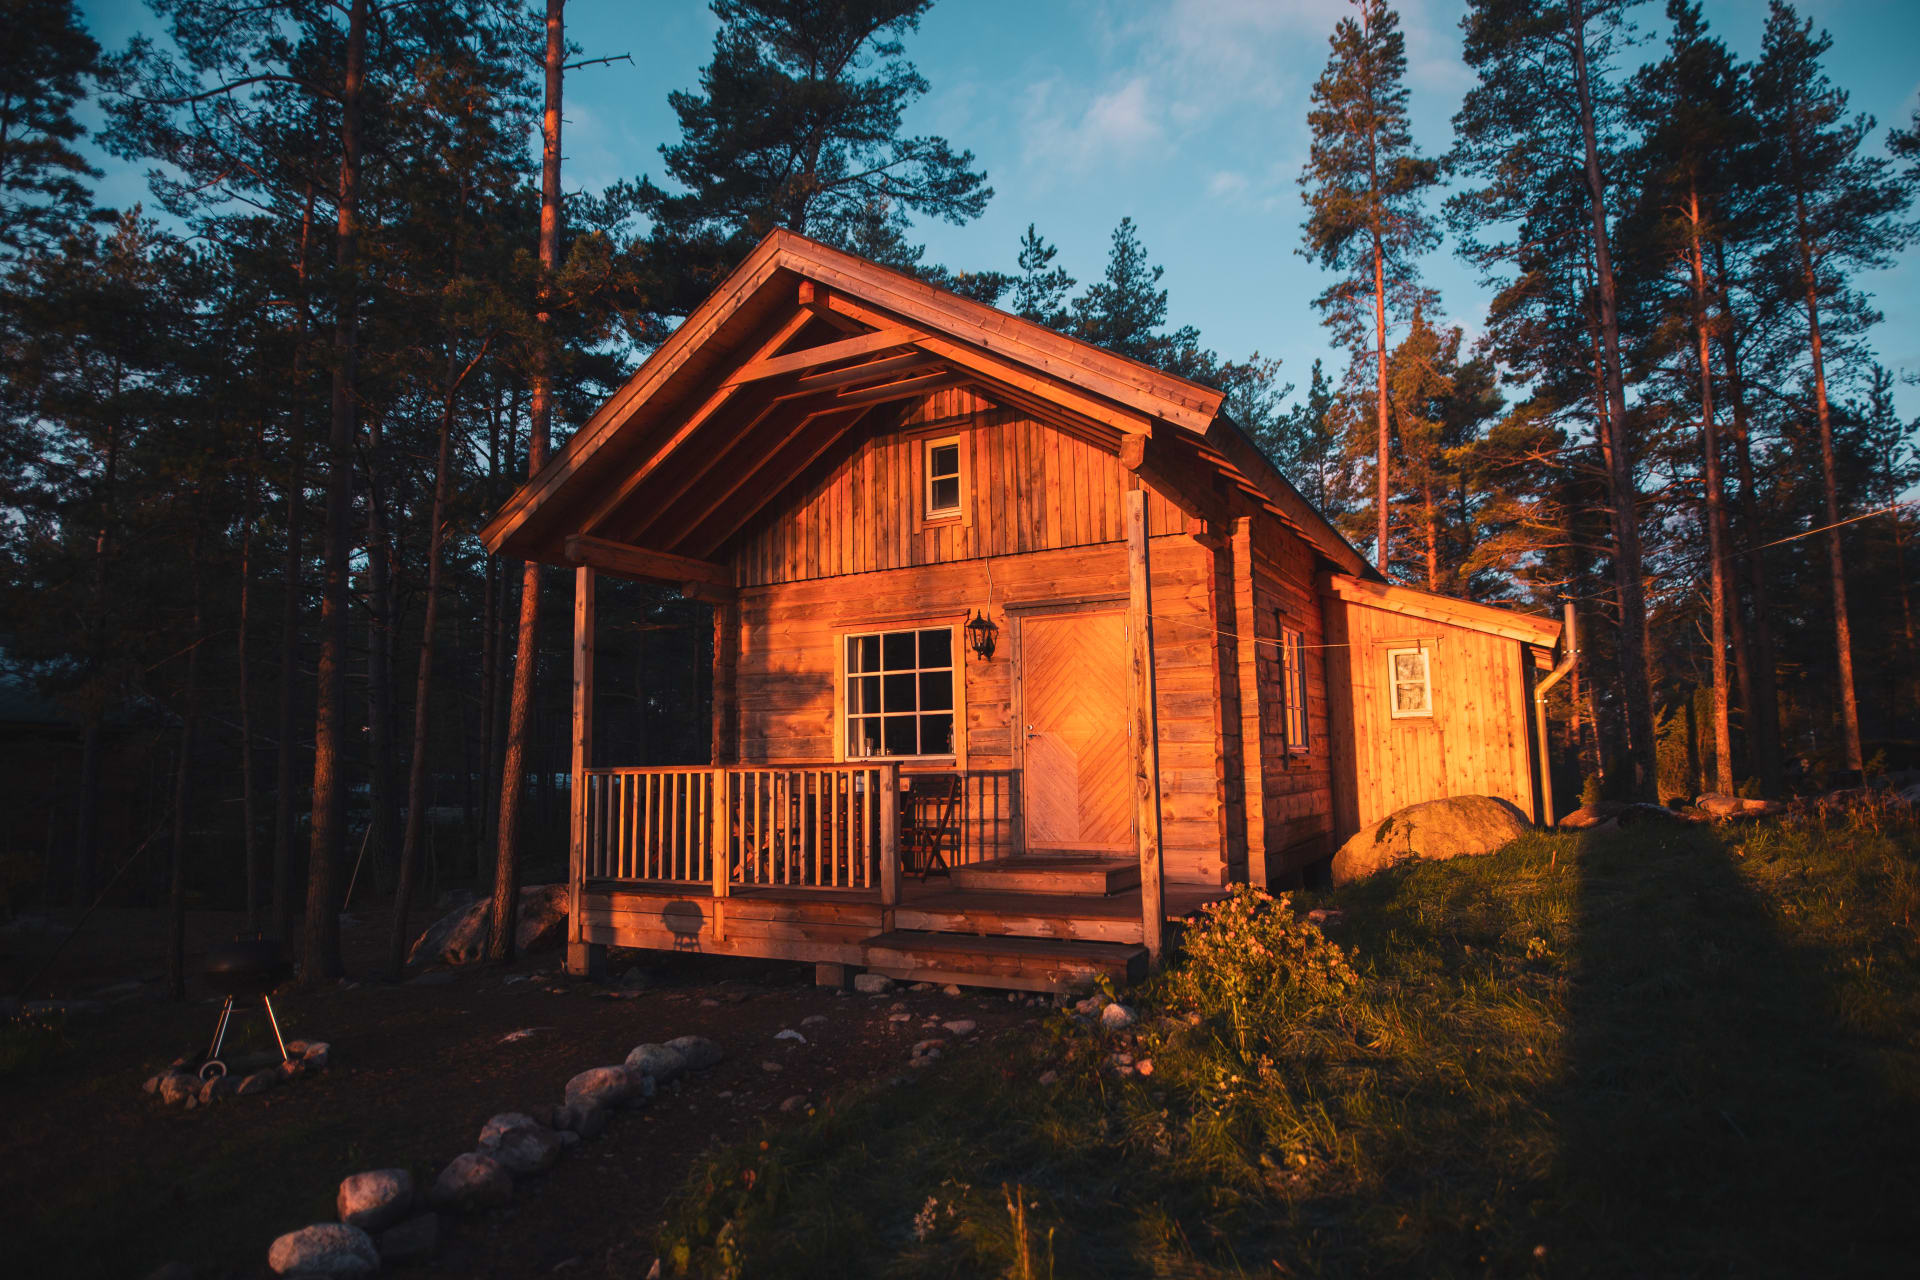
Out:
{"x": 937, "y": 931}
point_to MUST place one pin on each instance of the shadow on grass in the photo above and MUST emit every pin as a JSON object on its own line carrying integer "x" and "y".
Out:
{"x": 1715, "y": 1115}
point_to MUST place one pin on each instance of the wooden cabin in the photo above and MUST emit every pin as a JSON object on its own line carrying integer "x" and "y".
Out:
{"x": 1021, "y": 648}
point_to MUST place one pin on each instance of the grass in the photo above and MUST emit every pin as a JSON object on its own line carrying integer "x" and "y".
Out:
{"x": 1645, "y": 1052}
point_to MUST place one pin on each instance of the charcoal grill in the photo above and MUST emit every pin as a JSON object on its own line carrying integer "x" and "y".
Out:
{"x": 245, "y": 967}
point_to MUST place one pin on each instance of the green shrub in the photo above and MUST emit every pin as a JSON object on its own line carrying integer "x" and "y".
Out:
{"x": 1251, "y": 964}
{"x": 1590, "y": 793}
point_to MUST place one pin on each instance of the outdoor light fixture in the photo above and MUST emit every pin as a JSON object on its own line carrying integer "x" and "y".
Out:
{"x": 980, "y": 634}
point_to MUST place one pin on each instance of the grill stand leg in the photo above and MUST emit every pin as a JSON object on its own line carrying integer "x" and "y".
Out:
{"x": 219, "y": 1035}
{"x": 274, "y": 1023}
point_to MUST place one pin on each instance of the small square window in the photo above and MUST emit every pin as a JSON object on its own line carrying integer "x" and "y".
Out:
{"x": 943, "y": 478}
{"x": 1409, "y": 683}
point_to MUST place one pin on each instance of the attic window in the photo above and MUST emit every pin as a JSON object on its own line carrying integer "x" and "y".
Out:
{"x": 943, "y": 478}
{"x": 1410, "y": 683}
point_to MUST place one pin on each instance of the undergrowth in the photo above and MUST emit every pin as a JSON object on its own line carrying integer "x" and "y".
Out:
{"x": 1638, "y": 1052}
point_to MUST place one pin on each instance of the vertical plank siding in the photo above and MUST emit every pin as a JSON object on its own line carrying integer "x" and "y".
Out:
{"x": 1475, "y": 742}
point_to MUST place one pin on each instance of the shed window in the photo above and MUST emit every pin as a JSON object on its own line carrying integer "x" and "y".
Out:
{"x": 1410, "y": 683}
{"x": 900, "y": 693}
{"x": 943, "y": 478}
{"x": 1293, "y": 679}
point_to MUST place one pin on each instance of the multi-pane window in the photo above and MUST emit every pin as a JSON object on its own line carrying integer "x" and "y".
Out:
{"x": 1293, "y": 679}
{"x": 1410, "y": 683}
{"x": 943, "y": 478}
{"x": 900, "y": 693}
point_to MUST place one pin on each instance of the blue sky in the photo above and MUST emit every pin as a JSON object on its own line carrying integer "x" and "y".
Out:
{"x": 1188, "y": 115}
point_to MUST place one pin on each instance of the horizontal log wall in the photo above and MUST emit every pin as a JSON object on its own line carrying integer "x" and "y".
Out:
{"x": 790, "y": 633}
{"x": 1296, "y": 790}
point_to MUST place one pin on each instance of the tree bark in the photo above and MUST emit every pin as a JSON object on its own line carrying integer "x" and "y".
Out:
{"x": 285, "y": 722}
{"x": 1636, "y": 688}
{"x": 1716, "y": 514}
{"x": 1763, "y": 702}
{"x": 183, "y": 793}
{"x": 506, "y": 858}
{"x": 249, "y": 791}
{"x": 382, "y": 802}
{"x": 320, "y": 957}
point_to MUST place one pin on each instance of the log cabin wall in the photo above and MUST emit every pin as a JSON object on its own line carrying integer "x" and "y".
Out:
{"x": 1293, "y": 822}
{"x": 848, "y": 551}
{"x": 1476, "y": 742}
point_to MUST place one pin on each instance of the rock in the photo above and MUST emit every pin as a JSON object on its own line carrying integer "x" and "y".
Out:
{"x": 772, "y": 1068}
{"x": 602, "y": 1087}
{"x": 152, "y": 1085}
{"x": 412, "y": 1241}
{"x": 376, "y": 1199}
{"x": 960, "y": 1026}
{"x": 171, "y": 1271}
{"x": 698, "y": 1051}
{"x": 790, "y": 1034}
{"x": 794, "y": 1103}
{"x": 326, "y": 1249}
{"x": 292, "y": 1068}
{"x": 258, "y": 1082}
{"x": 1430, "y": 831}
{"x": 297, "y": 1048}
{"x": 472, "y": 1182}
{"x": 1049, "y": 1077}
{"x": 814, "y": 1020}
{"x": 315, "y": 1054}
{"x": 872, "y": 984}
{"x": 1116, "y": 1017}
{"x": 1719, "y": 805}
{"x": 591, "y": 1123}
{"x": 924, "y": 1047}
{"x": 460, "y": 936}
{"x": 218, "y": 1089}
{"x": 499, "y": 1126}
{"x": 176, "y": 1087}
{"x": 528, "y": 1149}
{"x": 951, "y": 989}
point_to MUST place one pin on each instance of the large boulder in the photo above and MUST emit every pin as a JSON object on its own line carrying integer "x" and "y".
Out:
{"x": 602, "y": 1088}
{"x": 1720, "y": 805}
{"x": 327, "y": 1249}
{"x": 698, "y": 1051}
{"x": 1430, "y": 832}
{"x": 376, "y": 1199}
{"x": 460, "y": 936}
{"x": 472, "y": 1182}
{"x": 657, "y": 1060}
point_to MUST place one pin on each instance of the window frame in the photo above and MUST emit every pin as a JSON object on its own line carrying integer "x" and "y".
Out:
{"x": 1295, "y": 729}
{"x": 928, "y": 513}
{"x": 1394, "y": 681}
{"x": 844, "y": 715}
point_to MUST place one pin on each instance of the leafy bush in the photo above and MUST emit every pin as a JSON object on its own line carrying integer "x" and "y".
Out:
{"x": 1590, "y": 792}
{"x": 1252, "y": 964}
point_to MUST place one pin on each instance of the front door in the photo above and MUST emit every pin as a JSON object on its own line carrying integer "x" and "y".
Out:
{"x": 1077, "y": 781}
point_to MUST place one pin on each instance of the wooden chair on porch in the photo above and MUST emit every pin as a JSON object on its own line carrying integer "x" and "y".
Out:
{"x": 929, "y": 823}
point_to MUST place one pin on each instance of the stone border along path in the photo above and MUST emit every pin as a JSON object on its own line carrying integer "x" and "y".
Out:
{"x": 381, "y": 1215}
{"x": 382, "y": 1218}
{"x": 178, "y": 1085}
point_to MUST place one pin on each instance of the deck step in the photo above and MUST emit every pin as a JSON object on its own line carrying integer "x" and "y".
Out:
{"x": 1079, "y": 874}
{"x": 1023, "y": 915}
{"x": 1027, "y": 964}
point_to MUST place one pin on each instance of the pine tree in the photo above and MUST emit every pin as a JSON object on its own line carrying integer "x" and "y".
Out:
{"x": 1364, "y": 184}
{"x": 1040, "y": 290}
{"x": 45, "y": 65}
{"x": 1533, "y": 130}
{"x": 1836, "y": 209}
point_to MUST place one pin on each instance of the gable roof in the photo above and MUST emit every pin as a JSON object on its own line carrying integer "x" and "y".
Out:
{"x": 801, "y": 346}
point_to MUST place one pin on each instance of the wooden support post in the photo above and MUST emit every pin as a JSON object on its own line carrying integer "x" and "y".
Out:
{"x": 1146, "y": 728}
{"x": 584, "y": 959}
{"x": 724, "y": 744}
{"x": 719, "y": 840}
{"x": 887, "y": 779}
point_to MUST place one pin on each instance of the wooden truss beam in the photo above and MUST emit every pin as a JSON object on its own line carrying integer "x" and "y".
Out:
{"x": 700, "y": 579}
{"x": 885, "y": 338}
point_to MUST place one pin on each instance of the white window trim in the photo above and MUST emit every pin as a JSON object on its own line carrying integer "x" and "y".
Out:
{"x": 927, "y": 510}
{"x": 840, "y": 713}
{"x": 1426, "y": 672}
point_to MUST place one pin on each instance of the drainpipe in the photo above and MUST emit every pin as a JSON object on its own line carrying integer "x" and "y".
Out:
{"x": 1570, "y": 653}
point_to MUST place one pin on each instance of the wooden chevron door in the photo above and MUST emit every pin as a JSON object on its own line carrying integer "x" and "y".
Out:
{"x": 1074, "y": 697}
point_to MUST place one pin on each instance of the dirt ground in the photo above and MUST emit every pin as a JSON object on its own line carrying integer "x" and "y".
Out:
{"x": 101, "y": 1180}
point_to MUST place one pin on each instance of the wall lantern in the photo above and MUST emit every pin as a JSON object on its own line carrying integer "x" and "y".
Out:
{"x": 980, "y": 635}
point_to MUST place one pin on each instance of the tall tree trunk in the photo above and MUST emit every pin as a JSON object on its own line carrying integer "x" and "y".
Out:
{"x": 1384, "y": 442}
{"x": 249, "y": 790}
{"x": 285, "y": 722}
{"x": 1716, "y": 514}
{"x": 417, "y": 798}
{"x": 183, "y": 792}
{"x": 1636, "y": 688}
{"x": 320, "y": 957}
{"x": 86, "y": 841}
{"x": 1836, "y": 563}
{"x": 506, "y": 868}
{"x": 1763, "y": 701}
{"x": 382, "y": 802}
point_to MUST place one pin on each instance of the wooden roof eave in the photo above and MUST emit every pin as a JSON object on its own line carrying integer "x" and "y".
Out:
{"x": 1526, "y": 628}
{"x": 1227, "y": 441}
